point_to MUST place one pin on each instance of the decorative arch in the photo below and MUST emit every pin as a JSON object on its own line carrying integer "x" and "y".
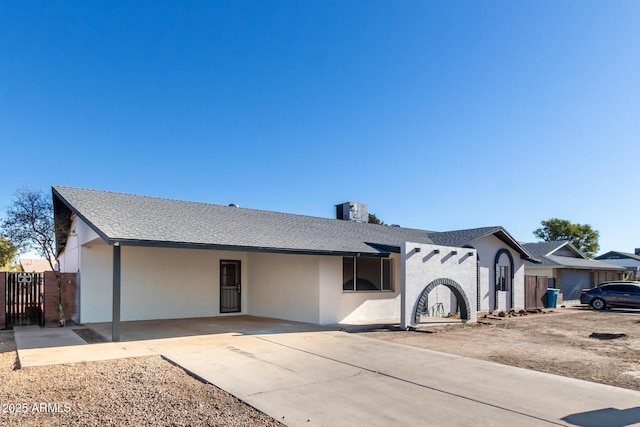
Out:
{"x": 501, "y": 252}
{"x": 461, "y": 297}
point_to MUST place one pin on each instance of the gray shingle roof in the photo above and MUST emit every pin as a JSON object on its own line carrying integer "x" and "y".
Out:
{"x": 619, "y": 255}
{"x": 138, "y": 219}
{"x": 544, "y": 252}
{"x": 540, "y": 249}
{"x": 142, "y": 220}
{"x": 466, "y": 237}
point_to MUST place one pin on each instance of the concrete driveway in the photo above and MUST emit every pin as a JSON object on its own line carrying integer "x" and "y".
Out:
{"x": 304, "y": 375}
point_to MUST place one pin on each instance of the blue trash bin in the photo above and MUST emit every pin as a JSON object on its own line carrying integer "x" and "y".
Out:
{"x": 552, "y": 297}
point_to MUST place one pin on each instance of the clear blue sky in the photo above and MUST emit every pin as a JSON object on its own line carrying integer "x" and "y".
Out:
{"x": 438, "y": 114}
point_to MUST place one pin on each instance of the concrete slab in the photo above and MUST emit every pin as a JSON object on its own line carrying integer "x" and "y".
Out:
{"x": 28, "y": 337}
{"x": 174, "y": 328}
{"x": 55, "y": 346}
{"x": 30, "y": 358}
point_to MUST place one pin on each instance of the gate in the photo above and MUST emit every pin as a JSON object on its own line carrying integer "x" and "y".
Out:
{"x": 535, "y": 291}
{"x": 24, "y": 299}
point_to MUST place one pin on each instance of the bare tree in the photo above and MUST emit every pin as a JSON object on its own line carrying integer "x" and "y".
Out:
{"x": 29, "y": 225}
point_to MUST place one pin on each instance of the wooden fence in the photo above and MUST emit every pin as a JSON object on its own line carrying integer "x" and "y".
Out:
{"x": 535, "y": 292}
{"x": 32, "y": 298}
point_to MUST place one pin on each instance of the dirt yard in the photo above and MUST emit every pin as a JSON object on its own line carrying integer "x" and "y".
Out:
{"x": 556, "y": 342}
{"x": 136, "y": 392}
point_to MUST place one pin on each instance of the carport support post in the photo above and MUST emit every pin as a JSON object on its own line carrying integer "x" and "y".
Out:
{"x": 115, "y": 319}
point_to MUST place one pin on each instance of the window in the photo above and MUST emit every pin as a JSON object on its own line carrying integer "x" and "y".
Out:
{"x": 503, "y": 278}
{"x": 371, "y": 274}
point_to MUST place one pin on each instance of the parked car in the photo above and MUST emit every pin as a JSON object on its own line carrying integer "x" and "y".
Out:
{"x": 612, "y": 294}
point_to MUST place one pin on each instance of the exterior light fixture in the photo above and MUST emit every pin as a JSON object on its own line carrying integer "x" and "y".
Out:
{"x": 436, "y": 251}
{"x": 470, "y": 253}
{"x": 454, "y": 252}
{"x": 418, "y": 249}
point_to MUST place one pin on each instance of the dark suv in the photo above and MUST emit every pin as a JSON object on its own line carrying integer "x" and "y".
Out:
{"x": 612, "y": 294}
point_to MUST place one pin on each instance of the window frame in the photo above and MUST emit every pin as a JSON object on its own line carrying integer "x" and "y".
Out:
{"x": 386, "y": 271}
{"x": 503, "y": 278}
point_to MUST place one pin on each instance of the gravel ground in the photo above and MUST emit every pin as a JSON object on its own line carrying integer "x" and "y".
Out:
{"x": 129, "y": 392}
{"x": 602, "y": 347}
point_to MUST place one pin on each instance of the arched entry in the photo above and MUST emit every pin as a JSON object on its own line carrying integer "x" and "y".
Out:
{"x": 457, "y": 290}
{"x": 500, "y": 283}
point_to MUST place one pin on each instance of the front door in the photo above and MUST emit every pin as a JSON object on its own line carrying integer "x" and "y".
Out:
{"x": 230, "y": 289}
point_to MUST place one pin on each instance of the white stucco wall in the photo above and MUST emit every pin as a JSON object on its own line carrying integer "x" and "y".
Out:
{"x": 95, "y": 291}
{"x": 284, "y": 286}
{"x": 157, "y": 283}
{"x": 308, "y": 288}
{"x": 79, "y": 234}
{"x": 487, "y": 248}
{"x": 338, "y": 306}
{"x": 422, "y": 268}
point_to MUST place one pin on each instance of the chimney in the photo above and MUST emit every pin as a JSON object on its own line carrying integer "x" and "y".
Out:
{"x": 352, "y": 211}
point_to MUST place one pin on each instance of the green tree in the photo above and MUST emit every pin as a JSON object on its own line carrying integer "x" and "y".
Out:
{"x": 582, "y": 236}
{"x": 8, "y": 253}
{"x": 373, "y": 219}
{"x": 29, "y": 225}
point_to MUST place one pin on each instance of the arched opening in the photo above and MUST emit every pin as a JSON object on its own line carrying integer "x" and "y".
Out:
{"x": 504, "y": 274}
{"x": 455, "y": 288}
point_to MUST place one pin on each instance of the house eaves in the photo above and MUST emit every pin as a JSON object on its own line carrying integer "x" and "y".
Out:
{"x": 582, "y": 264}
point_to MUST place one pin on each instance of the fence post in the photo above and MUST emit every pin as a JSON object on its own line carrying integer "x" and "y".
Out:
{"x": 3, "y": 302}
{"x": 50, "y": 289}
{"x": 69, "y": 286}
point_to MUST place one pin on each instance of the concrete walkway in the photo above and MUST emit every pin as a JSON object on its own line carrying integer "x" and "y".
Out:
{"x": 327, "y": 378}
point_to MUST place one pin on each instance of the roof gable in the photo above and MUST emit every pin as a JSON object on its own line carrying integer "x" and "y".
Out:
{"x": 563, "y": 254}
{"x": 559, "y": 248}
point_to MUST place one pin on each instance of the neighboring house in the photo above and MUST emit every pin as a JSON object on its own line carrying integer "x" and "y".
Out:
{"x": 631, "y": 262}
{"x": 34, "y": 265}
{"x": 149, "y": 258}
{"x": 572, "y": 270}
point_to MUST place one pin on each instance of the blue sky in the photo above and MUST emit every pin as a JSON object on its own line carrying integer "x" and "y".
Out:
{"x": 439, "y": 115}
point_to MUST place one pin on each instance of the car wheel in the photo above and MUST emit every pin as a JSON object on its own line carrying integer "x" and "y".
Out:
{"x": 598, "y": 304}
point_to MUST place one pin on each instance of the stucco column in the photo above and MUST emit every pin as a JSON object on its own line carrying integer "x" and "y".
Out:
{"x": 115, "y": 319}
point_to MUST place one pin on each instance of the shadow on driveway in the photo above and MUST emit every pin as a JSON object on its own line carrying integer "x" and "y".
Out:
{"x": 610, "y": 417}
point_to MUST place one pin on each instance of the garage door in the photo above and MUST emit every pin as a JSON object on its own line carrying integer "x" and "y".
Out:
{"x": 572, "y": 282}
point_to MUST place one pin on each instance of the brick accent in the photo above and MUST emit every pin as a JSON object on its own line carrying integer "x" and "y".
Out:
{"x": 3, "y": 302}
{"x": 457, "y": 290}
{"x": 69, "y": 301}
